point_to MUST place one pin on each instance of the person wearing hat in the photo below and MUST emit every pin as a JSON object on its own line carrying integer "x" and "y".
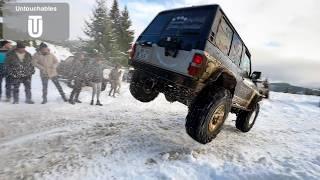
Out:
{"x": 4, "y": 49}
{"x": 47, "y": 63}
{"x": 20, "y": 69}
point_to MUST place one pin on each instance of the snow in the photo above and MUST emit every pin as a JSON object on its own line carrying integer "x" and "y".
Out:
{"x": 60, "y": 52}
{"x": 127, "y": 139}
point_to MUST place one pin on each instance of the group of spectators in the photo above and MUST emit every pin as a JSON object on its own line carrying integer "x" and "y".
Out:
{"x": 89, "y": 71}
{"x": 17, "y": 67}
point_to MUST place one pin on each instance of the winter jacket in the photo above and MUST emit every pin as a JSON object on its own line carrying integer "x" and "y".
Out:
{"x": 17, "y": 68}
{"x": 93, "y": 72}
{"x": 77, "y": 68}
{"x": 115, "y": 75}
{"x": 47, "y": 64}
{"x": 3, "y": 54}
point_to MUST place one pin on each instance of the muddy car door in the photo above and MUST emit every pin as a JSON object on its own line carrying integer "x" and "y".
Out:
{"x": 246, "y": 88}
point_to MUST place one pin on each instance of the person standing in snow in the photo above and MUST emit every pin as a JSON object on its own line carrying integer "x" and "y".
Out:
{"x": 20, "y": 69}
{"x": 78, "y": 66}
{"x": 115, "y": 80}
{"x": 47, "y": 63}
{"x": 95, "y": 78}
{"x": 5, "y": 48}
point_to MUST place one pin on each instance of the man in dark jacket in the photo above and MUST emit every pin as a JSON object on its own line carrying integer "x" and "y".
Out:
{"x": 78, "y": 68}
{"x": 20, "y": 69}
{"x": 5, "y": 47}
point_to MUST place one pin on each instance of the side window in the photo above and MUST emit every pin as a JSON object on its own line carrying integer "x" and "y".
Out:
{"x": 224, "y": 37}
{"x": 245, "y": 64}
{"x": 236, "y": 50}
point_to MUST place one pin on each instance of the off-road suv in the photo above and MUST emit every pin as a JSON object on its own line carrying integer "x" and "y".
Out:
{"x": 195, "y": 56}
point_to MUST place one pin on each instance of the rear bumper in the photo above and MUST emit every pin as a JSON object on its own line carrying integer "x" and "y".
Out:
{"x": 165, "y": 76}
{"x": 176, "y": 86}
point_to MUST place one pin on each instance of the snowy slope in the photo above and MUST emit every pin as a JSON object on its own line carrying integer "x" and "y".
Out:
{"x": 126, "y": 139}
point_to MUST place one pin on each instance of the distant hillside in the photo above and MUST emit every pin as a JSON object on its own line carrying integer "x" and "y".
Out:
{"x": 288, "y": 88}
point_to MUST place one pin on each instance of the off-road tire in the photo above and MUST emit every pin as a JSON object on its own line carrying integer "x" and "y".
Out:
{"x": 243, "y": 119}
{"x": 137, "y": 90}
{"x": 170, "y": 99}
{"x": 201, "y": 113}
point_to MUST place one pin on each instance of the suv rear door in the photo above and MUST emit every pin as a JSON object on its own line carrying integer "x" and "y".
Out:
{"x": 174, "y": 37}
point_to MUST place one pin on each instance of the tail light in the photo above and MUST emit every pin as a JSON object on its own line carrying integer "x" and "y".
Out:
{"x": 132, "y": 51}
{"x": 196, "y": 65}
{"x": 197, "y": 59}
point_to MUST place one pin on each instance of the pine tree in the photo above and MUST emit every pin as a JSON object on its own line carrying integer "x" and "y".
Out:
{"x": 115, "y": 19}
{"x": 115, "y": 54}
{"x": 119, "y": 55}
{"x": 110, "y": 41}
{"x": 127, "y": 34}
{"x": 109, "y": 32}
{"x": 97, "y": 28}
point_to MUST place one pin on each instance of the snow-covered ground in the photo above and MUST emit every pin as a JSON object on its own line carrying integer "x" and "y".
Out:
{"x": 127, "y": 139}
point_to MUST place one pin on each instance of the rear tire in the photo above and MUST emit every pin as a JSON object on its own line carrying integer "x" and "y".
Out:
{"x": 207, "y": 114}
{"x": 170, "y": 99}
{"x": 138, "y": 91}
{"x": 246, "y": 119}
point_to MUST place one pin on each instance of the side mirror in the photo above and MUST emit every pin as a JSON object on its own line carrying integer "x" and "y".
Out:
{"x": 256, "y": 75}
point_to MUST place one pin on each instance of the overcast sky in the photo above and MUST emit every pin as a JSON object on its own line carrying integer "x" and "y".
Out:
{"x": 282, "y": 35}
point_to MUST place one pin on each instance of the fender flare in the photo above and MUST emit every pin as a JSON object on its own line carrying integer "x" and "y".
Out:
{"x": 222, "y": 78}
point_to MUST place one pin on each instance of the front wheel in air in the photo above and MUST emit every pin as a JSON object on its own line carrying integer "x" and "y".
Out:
{"x": 246, "y": 119}
{"x": 207, "y": 115}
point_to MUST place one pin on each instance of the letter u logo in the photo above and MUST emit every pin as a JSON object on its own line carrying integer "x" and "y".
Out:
{"x": 35, "y": 26}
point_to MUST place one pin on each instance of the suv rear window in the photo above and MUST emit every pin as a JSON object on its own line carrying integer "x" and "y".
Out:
{"x": 188, "y": 22}
{"x": 155, "y": 27}
{"x": 190, "y": 27}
